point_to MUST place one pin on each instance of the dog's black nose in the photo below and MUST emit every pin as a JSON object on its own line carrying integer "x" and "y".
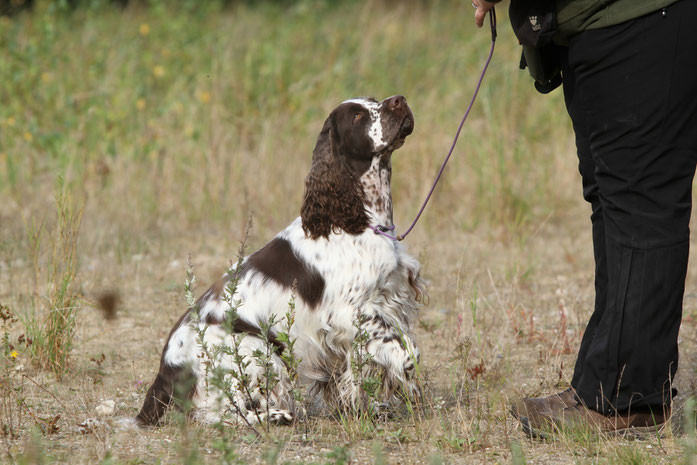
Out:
{"x": 396, "y": 101}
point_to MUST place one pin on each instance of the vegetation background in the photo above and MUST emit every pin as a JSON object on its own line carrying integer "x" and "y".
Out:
{"x": 133, "y": 136}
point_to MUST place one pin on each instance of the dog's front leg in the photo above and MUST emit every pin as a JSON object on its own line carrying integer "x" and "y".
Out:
{"x": 394, "y": 350}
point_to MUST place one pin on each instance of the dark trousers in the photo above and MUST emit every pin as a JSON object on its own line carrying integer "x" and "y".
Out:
{"x": 631, "y": 92}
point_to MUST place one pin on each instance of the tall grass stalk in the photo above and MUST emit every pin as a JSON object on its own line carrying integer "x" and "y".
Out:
{"x": 52, "y": 317}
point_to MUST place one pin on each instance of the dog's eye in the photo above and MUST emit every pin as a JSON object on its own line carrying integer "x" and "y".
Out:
{"x": 357, "y": 117}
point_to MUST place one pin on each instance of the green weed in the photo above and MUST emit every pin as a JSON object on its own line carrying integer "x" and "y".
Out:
{"x": 13, "y": 408}
{"x": 51, "y": 320}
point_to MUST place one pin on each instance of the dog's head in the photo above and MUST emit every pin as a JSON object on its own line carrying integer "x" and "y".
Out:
{"x": 354, "y": 134}
{"x": 365, "y": 127}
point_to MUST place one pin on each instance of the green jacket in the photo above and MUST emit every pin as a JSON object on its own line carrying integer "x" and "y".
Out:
{"x": 574, "y": 16}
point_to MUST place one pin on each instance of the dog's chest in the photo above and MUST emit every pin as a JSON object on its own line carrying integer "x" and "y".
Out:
{"x": 356, "y": 267}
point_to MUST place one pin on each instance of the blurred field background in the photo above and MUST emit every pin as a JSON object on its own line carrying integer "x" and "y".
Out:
{"x": 132, "y": 137}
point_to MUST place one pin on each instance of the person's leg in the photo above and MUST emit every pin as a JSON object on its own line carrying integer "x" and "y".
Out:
{"x": 635, "y": 90}
{"x": 530, "y": 409}
{"x": 586, "y": 166}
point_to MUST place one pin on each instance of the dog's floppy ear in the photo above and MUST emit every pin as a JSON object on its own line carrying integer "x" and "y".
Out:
{"x": 327, "y": 146}
{"x": 333, "y": 195}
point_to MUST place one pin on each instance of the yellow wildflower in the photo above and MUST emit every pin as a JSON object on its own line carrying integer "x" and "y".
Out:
{"x": 204, "y": 97}
{"x": 144, "y": 29}
{"x": 158, "y": 71}
{"x": 10, "y": 121}
{"x": 140, "y": 104}
{"x": 14, "y": 354}
{"x": 28, "y": 136}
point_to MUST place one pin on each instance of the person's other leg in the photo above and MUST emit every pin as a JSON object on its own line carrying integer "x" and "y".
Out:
{"x": 636, "y": 90}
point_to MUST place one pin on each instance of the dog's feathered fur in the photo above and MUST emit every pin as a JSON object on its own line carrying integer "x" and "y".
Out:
{"x": 338, "y": 268}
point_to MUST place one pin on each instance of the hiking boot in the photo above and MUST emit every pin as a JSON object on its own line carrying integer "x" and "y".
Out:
{"x": 640, "y": 422}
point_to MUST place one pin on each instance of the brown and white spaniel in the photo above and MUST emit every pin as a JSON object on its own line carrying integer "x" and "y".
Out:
{"x": 340, "y": 272}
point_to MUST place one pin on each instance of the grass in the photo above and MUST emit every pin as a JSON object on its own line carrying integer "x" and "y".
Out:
{"x": 53, "y": 311}
{"x": 175, "y": 123}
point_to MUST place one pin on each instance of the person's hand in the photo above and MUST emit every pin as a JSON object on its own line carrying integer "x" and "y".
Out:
{"x": 483, "y": 8}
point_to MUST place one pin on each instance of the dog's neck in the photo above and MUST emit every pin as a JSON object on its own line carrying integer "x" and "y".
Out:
{"x": 376, "y": 190}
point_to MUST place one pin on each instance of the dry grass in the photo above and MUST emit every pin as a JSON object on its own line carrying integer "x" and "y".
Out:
{"x": 175, "y": 125}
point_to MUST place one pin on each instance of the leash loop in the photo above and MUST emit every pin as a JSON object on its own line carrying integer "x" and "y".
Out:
{"x": 382, "y": 229}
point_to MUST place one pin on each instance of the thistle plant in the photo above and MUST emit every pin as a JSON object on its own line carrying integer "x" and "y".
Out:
{"x": 367, "y": 379}
{"x": 227, "y": 380}
{"x": 290, "y": 359}
{"x": 263, "y": 359}
{"x": 228, "y": 367}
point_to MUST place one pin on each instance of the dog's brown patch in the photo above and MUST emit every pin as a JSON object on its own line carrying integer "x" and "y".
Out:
{"x": 276, "y": 261}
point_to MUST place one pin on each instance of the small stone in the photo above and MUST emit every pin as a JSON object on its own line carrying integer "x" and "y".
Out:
{"x": 106, "y": 408}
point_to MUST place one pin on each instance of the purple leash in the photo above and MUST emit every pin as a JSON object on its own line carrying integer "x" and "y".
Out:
{"x": 382, "y": 230}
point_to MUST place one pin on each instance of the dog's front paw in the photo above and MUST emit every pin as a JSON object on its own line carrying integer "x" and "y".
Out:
{"x": 280, "y": 417}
